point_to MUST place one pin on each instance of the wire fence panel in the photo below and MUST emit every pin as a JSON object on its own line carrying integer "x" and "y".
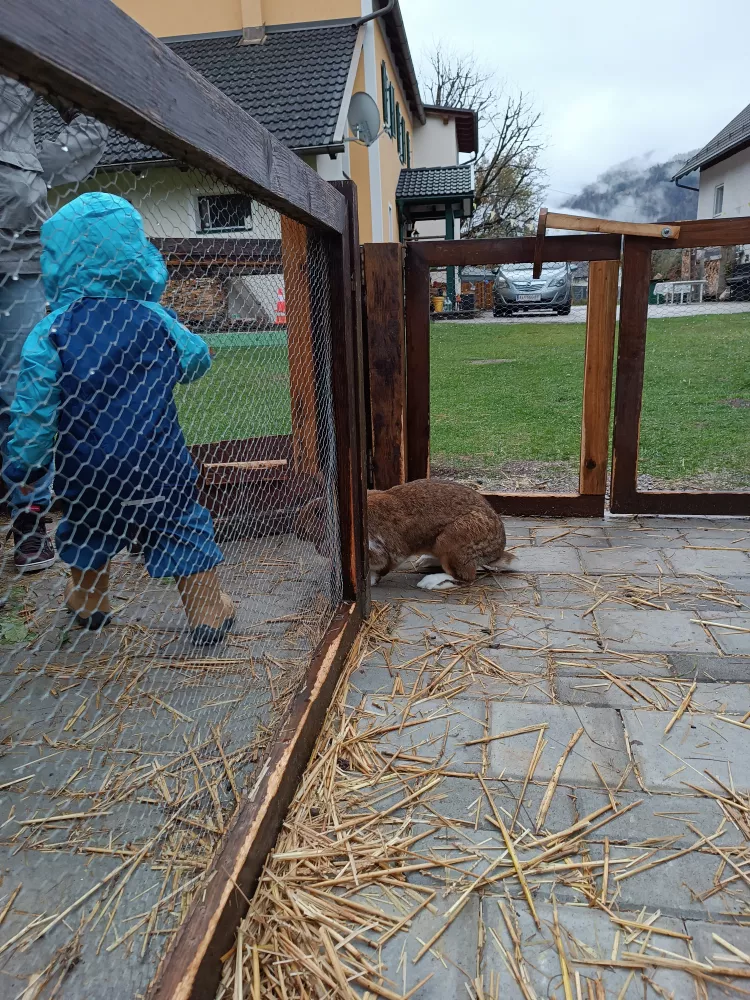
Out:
{"x": 506, "y": 376}
{"x": 695, "y": 420}
{"x": 173, "y": 557}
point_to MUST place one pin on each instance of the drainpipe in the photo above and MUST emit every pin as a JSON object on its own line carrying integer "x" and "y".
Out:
{"x": 375, "y": 14}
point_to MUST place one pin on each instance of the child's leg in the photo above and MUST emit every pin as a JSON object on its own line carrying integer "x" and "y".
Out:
{"x": 87, "y": 594}
{"x": 203, "y": 600}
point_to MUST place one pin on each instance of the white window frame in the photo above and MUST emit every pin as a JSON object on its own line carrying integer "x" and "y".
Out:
{"x": 719, "y": 200}
{"x": 224, "y": 229}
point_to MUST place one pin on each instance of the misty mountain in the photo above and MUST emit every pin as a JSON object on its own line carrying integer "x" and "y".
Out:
{"x": 639, "y": 190}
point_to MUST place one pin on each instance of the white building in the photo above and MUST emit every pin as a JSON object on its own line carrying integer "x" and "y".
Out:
{"x": 724, "y": 165}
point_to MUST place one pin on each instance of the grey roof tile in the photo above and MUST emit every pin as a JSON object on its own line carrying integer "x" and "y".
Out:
{"x": 435, "y": 182}
{"x": 734, "y": 136}
{"x": 293, "y": 84}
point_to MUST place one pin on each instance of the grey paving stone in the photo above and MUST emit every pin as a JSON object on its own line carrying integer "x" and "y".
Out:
{"x": 533, "y": 690}
{"x": 730, "y": 640}
{"x": 459, "y": 944}
{"x": 600, "y": 693}
{"x": 587, "y": 933}
{"x": 696, "y": 743}
{"x": 634, "y": 665}
{"x": 707, "y": 949}
{"x": 548, "y": 559}
{"x": 576, "y": 600}
{"x": 602, "y": 741}
{"x": 710, "y": 668}
{"x": 652, "y": 631}
{"x": 434, "y": 730}
{"x": 711, "y": 562}
{"x": 626, "y": 559}
{"x": 517, "y": 662}
{"x": 657, "y": 816}
{"x": 568, "y": 629}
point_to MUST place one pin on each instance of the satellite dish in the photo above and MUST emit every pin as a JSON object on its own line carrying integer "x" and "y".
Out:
{"x": 364, "y": 118}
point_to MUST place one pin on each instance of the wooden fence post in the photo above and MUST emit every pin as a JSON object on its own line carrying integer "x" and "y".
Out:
{"x": 386, "y": 348}
{"x": 417, "y": 282}
{"x": 601, "y": 318}
{"x": 349, "y": 401}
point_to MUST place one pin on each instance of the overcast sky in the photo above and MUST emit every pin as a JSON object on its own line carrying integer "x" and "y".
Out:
{"x": 613, "y": 78}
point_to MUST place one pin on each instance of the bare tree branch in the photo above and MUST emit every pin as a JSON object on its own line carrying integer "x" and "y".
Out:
{"x": 509, "y": 181}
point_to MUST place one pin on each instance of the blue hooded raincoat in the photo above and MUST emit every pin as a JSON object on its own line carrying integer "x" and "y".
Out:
{"x": 98, "y": 373}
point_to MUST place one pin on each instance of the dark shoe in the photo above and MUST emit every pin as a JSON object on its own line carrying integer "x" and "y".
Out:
{"x": 93, "y": 622}
{"x": 34, "y": 550}
{"x": 205, "y": 635}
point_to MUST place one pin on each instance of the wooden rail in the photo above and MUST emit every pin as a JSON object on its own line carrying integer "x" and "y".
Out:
{"x": 100, "y": 59}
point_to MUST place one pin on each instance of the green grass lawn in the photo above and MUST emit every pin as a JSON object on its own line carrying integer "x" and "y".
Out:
{"x": 245, "y": 394}
{"x": 529, "y": 407}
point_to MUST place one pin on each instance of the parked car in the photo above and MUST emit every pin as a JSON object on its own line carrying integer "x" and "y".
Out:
{"x": 516, "y": 290}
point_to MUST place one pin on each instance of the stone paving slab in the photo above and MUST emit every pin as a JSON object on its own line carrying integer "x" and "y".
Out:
{"x": 547, "y": 559}
{"x": 652, "y": 631}
{"x": 732, "y": 641}
{"x": 707, "y": 949}
{"x": 517, "y": 662}
{"x": 710, "y": 562}
{"x": 724, "y": 699}
{"x": 603, "y": 742}
{"x": 710, "y": 668}
{"x": 586, "y": 933}
{"x": 632, "y": 665}
{"x": 625, "y": 559}
{"x": 696, "y": 743}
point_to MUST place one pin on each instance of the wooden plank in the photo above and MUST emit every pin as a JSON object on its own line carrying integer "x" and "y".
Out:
{"x": 601, "y": 318}
{"x": 192, "y": 967}
{"x": 103, "y": 61}
{"x": 581, "y": 224}
{"x": 384, "y": 308}
{"x": 439, "y": 253}
{"x": 631, "y": 353}
{"x": 546, "y": 504}
{"x": 706, "y": 233}
{"x": 688, "y": 502}
{"x": 349, "y": 402}
{"x": 417, "y": 287}
{"x": 299, "y": 325}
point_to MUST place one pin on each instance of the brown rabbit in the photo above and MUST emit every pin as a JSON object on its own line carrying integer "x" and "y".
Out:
{"x": 448, "y": 525}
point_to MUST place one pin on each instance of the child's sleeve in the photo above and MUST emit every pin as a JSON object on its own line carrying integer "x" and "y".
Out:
{"x": 33, "y": 427}
{"x": 195, "y": 359}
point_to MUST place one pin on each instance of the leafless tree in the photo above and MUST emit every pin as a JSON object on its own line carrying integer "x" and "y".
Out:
{"x": 509, "y": 181}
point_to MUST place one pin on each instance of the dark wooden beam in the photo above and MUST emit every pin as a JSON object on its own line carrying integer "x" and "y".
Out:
{"x": 688, "y": 502}
{"x": 440, "y": 253}
{"x": 191, "y": 968}
{"x": 631, "y": 354}
{"x": 703, "y": 233}
{"x": 349, "y": 401}
{"x": 386, "y": 348}
{"x": 546, "y": 504}
{"x": 92, "y": 54}
{"x": 417, "y": 284}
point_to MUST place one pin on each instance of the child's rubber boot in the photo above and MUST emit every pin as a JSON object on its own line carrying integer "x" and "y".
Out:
{"x": 87, "y": 597}
{"x": 210, "y": 613}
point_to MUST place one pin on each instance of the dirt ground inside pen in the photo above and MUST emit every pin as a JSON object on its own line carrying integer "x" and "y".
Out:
{"x": 124, "y": 754}
{"x": 535, "y": 787}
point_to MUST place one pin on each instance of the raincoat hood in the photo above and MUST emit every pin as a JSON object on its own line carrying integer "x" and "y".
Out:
{"x": 96, "y": 247}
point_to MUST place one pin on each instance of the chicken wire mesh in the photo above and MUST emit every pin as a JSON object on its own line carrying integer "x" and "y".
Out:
{"x": 163, "y": 592}
{"x": 695, "y": 419}
{"x": 506, "y": 375}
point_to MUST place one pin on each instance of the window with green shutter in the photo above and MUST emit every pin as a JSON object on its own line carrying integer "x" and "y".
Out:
{"x": 408, "y": 150}
{"x": 399, "y": 132}
{"x": 392, "y": 109}
{"x": 386, "y": 96}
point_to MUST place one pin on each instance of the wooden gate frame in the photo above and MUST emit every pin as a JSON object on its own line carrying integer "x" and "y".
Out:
{"x": 603, "y": 253}
{"x": 636, "y": 275}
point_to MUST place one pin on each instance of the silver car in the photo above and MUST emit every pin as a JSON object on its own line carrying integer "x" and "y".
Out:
{"x": 516, "y": 290}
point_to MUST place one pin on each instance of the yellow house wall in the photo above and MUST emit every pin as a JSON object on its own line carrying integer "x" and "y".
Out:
{"x": 359, "y": 168}
{"x": 390, "y": 164}
{"x": 166, "y": 18}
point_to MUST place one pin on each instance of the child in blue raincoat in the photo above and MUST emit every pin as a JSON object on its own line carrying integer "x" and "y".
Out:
{"x": 95, "y": 392}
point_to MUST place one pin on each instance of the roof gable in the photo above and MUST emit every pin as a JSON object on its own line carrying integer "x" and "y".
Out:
{"x": 293, "y": 84}
{"x": 732, "y": 138}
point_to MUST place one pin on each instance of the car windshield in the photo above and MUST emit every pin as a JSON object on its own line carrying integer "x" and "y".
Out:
{"x": 523, "y": 269}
